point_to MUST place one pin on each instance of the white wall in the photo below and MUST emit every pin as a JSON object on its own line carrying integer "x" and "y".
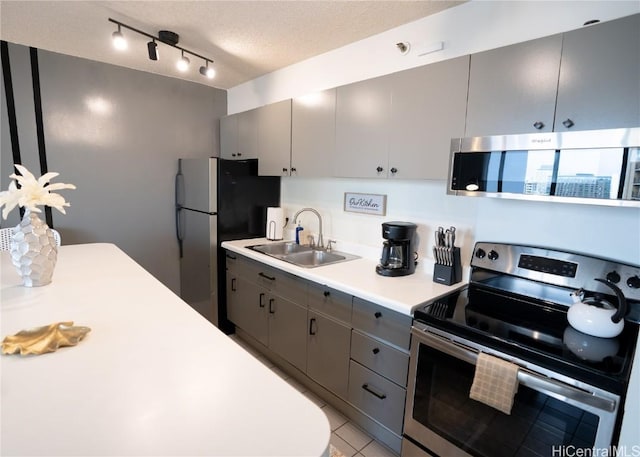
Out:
{"x": 471, "y": 27}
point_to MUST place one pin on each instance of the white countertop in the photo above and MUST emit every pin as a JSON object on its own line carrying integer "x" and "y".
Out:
{"x": 358, "y": 277}
{"x": 151, "y": 378}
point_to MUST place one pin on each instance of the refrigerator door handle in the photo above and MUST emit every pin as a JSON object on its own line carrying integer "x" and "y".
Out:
{"x": 179, "y": 189}
{"x": 179, "y": 229}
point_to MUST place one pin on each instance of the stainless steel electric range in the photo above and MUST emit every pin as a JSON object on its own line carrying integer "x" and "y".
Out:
{"x": 571, "y": 385}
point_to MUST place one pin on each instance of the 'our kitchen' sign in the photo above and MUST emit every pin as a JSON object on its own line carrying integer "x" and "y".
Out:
{"x": 365, "y": 203}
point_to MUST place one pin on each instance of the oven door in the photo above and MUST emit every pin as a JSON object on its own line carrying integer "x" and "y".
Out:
{"x": 548, "y": 414}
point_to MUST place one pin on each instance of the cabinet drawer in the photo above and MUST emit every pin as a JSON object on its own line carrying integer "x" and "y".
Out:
{"x": 376, "y": 396}
{"x": 381, "y": 322}
{"x": 278, "y": 282}
{"x": 379, "y": 357}
{"x": 331, "y": 302}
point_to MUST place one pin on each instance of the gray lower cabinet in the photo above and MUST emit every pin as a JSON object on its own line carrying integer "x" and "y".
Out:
{"x": 378, "y": 397}
{"x": 513, "y": 89}
{"x": 379, "y": 364}
{"x": 287, "y": 330}
{"x": 329, "y": 338}
{"x": 269, "y": 305}
{"x": 328, "y": 353}
{"x": 598, "y": 87}
{"x": 246, "y": 308}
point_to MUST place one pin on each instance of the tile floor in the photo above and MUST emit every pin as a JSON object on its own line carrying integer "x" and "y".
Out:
{"x": 346, "y": 437}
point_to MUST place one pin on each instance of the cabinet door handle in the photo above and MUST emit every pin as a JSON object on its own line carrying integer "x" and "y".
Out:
{"x": 312, "y": 327}
{"x": 379, "y": 169}
{"x": 233, "y": 284}
{"x": 270, "y": 278}
{"x": 326, "y": 293}
{"x": 234, "y": 154}
{"x": 239, "y": 154}
{"x": 394, "y": 170}
{"x": 376, "y": 350}
{"x": 373, "y": 392}
{"x": 261, "y": 300}
{"x": 568, "y": 123}
{"x": 284, "y": 170}
{"x": 378, "y": 314}
{"x": 294, "y": 170}
{"x": 271, "y": 310}
{"x": 538, "y": 125}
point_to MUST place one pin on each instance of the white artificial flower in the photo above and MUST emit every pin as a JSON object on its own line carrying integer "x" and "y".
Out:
{"x": 32, "y": 192}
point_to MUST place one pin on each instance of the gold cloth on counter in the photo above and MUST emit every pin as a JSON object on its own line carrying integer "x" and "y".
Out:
{"x": 44, "y": 339}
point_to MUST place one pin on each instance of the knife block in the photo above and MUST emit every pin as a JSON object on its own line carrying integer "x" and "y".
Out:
{"x": 449, "y": 274}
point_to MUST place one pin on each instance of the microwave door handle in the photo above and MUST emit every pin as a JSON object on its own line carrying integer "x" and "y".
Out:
{"x": 525, "y": 376}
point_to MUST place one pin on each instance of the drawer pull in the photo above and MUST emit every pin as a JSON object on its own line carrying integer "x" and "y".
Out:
{"x": 373, "y": 392}
{"x": 326, "y": 293}
{"x": 376, "y": 350}
{"x": 233, "y": 285}
{"x": 312, "y": 329}
{"x": 271, "y": 310}
{"x": 270, "y": 278}
{"x": 378, "y": 314}
{"x": 261, "y": 300}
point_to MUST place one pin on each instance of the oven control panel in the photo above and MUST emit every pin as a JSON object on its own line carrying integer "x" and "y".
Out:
{"x": 547, "y": 265}
{"x": 566, "y": 269}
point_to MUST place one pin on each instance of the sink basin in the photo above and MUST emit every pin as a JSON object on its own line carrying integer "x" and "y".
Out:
{"x": 302, "y": 256}
{"x": 280, "y": 249}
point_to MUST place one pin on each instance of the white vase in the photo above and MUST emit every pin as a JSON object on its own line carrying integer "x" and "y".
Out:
{"x": 33, "y": 250}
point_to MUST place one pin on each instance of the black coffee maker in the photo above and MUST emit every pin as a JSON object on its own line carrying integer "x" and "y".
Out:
{"x": 398, "y": 256}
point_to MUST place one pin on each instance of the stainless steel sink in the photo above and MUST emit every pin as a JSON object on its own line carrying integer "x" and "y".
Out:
{"x": 280, "y": 249}
{"x": 302, "y": 256}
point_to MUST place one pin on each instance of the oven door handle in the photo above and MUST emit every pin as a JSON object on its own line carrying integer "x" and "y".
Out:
{"x": 525, "y": 377}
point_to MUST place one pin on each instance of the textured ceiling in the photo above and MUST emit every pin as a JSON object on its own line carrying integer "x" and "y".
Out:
{"x": 246, "y": 39}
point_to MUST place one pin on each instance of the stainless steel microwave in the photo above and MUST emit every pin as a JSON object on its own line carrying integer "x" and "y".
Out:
{"x": 597, "y": 167}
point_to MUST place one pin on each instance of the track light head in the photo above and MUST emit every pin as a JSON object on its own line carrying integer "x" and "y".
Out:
{"x": 119, "y": 42}
{"x": 152, "y": 47}
{"x": 183, "y": 63}
{"x": 207, "y": 71}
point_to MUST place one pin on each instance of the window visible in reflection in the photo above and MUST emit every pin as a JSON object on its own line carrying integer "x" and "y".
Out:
{"x": 632, "y": 179}
{"x": 589, "y": 173}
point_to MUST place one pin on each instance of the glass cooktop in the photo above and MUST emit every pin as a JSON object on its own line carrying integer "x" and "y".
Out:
{"x": 533, "y": 327}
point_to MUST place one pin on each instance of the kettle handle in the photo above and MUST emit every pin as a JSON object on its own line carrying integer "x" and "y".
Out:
{"x": 622, "y": 301}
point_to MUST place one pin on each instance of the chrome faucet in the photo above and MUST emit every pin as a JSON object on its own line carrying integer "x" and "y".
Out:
{"x": 320, "y": 240}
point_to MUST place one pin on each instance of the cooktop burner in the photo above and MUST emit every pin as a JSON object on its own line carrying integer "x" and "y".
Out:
{"x": 521, "y": 315}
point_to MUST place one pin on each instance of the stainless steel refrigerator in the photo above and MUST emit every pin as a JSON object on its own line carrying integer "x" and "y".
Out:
{"x": 217, "y": 200}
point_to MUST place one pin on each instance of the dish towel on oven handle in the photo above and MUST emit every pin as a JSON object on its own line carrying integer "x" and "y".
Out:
{"x": 495, "y": 382}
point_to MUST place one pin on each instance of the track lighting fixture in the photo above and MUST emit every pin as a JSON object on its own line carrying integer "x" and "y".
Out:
{"x": 170, "y": 39}
{"x": 183, "y": 63}
{"x": 119, "y": 42}
{"x": 207, "y": 71}
{"x": 152, "y": 47}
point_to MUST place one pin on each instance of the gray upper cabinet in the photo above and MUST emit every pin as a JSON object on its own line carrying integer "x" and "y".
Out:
{"x": 229, "y": 137}
{"x": 599, "y": 84}
{"x": 513, "y": 89}
{"x": 274, "y": 139}
{"x": 427, "y": 109}
{"x": 239, "y": 136}
{"x": 362, "y": 129}
{"x": 313, "y": 134}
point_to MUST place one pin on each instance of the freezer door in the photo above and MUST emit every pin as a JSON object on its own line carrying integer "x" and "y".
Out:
{"x": 199, "y": 264}
{"x": 200, "y": 183}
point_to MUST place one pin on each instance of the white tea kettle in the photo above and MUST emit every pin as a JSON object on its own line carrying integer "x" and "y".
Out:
{"x": 595, "y": 316}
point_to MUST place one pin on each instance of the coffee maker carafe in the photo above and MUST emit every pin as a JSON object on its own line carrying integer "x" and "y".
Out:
{"x": 398, "y": 256}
